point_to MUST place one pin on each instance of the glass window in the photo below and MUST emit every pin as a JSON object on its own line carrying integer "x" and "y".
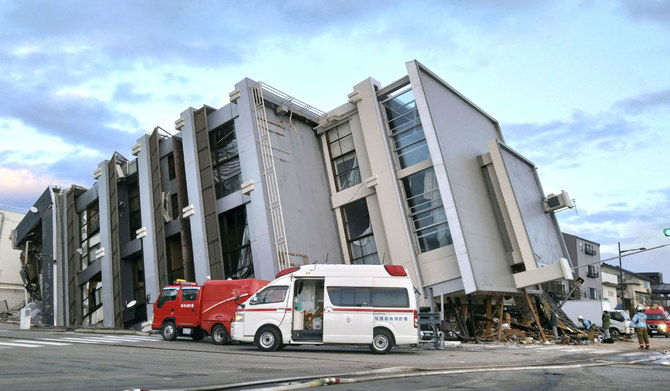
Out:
{"x": 227, "y": 177}
{"x": 225, "y": 160}
{"x": 236, "y": 244}
{"x": 365, "y": 297}
{"x": 358, "y": 229}
{"x": 189, "y": 294}
{"x": 409, "y": 141}
{"x": 272, "y": 294}
{"x": 168, "y": 294}
{"x": 390, "y": 297}
{"x": 350, "y": 296}
{"x": 134, "y": 217}
{"x": 426, "y": 210}
{"x": 343, "y": 156}
{"x": 172, "y": 174}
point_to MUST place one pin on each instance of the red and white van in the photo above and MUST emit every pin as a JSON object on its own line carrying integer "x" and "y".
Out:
{"x": 187, "y": 308}
{"x": 341, "y": 304}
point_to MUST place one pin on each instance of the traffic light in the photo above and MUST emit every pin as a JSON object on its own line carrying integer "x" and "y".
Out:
{"x": 666, "y": 232}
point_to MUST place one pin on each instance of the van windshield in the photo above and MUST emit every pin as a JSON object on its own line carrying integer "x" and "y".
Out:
{"x": 655, "y": 317}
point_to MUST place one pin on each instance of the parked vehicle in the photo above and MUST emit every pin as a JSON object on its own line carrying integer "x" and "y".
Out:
{"x": 189, "y": 309}
{"x": 593, "y": 311}
{"x": 658, "y": 321}
{"x": 340, "y": 304}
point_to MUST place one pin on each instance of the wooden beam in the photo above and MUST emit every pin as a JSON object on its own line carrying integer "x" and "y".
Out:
{"x": 532, "y": 311}
{"x": 501, "y": 301}
{"x": 489, "y": 303}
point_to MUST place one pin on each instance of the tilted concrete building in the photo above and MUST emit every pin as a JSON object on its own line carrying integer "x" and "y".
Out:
{"x": 412, "y": 173}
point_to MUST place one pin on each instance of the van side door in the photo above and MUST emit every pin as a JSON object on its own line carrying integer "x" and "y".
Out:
{"x": 267, "y": 306}
{"x": 348, "y": 313}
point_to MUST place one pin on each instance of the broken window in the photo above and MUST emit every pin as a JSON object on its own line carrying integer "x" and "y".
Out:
{"x": 358, "y": 229}
{"x": 236, "y": 244}
{"x": 225, "y": 160}
{"x": 406, "y": 131}
{"x": 343, "y": 156}
{"x": 426, "y": 210}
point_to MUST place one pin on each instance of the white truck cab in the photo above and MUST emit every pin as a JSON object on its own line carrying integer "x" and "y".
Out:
{"x": 342, "y": 304}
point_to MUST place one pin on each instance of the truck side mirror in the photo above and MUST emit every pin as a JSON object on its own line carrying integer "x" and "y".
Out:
{"x": 238, "y": 303}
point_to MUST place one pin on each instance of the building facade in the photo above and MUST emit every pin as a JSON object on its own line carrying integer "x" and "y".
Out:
{"x": 412, "y": 174}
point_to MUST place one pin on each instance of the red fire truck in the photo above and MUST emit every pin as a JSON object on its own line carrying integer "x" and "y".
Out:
{"x": 658, "y": 321}
{"x": 189, "y": 309}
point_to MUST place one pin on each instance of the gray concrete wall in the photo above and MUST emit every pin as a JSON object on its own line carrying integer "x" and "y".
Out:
{"x": 311, "y": 229}
{"x": 461, "y": 132}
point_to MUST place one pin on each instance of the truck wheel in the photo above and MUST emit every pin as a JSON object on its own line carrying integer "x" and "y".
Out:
{"x": 198, "y": 334}
{"x": 382, "y": 342}
{"x": 169, "y": 331}
{"x": 220, "y": 335}
{"x": 614, "y": 333}
{"x": 268, "y": 339}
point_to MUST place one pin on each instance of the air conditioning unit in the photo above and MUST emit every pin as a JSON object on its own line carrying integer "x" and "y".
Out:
{"x": 556, "y": 202}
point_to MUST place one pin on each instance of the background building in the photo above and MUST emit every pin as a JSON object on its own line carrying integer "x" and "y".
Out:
{"x": 585, "y": 257}
{"x": 412, "y": 173}
{"x": 637, "y": 288}
{"x": 12, "y": 294}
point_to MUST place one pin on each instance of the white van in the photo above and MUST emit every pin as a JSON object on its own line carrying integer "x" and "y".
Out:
{"x": 343, "y": 304}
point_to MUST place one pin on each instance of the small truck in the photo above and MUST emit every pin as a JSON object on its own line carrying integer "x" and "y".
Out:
{"x": 188, "y": 309}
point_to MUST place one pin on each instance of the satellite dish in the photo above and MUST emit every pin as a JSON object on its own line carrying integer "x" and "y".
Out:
{"x": 131, "y": 304}
{"x": 34, "y": 209}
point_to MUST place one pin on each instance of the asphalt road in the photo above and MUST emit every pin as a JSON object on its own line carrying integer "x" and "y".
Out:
{"x": 59, "y": 360}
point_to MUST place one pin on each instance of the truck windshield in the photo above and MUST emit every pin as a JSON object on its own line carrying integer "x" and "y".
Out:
{"x": 655, "y": 317}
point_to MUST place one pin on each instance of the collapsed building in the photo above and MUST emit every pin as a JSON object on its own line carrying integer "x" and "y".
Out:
{"x": 411, "y": 173}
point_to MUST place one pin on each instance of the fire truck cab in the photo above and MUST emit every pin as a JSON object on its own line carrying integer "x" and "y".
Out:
{"x": 188, "y": 309}
{"x": 658, "y": 321}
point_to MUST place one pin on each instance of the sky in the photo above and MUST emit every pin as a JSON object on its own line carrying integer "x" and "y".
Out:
{"x": 580, "y": 88}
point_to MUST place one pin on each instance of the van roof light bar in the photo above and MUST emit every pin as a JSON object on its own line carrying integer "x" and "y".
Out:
{"x": 395, "y": 270}
{"x": 287, "y": 271}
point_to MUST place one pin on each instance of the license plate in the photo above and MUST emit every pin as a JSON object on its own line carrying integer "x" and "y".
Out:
{"x": 187, "y": 331}
{"x": 654, "y": 331}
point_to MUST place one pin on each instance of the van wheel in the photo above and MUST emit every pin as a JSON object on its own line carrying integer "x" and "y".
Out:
{"x": 220, "y": 335}
{"x": 268, "y": 339}
{"x": 382, "y": 342}
{"x": 198, "y": 334}
{"x": 614, "y": 333}
{"x": 169, "y": 331}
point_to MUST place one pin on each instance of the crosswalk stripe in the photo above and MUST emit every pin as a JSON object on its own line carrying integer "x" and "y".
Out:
{"x": 22, "y": 345}
{"x": 75, "y": 340}
{"x": 41, "y": 342}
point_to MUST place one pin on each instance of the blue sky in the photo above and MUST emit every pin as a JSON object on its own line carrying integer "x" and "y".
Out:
{"x": 581, "y": 88}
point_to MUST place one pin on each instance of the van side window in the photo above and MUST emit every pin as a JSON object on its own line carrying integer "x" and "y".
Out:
{"x": 168, "y": 294}
{"x": 390, "y": 297}
{"x": 273, "y": 294}
{"x": 350, "y": 296}
{"x": 189, "y": 294}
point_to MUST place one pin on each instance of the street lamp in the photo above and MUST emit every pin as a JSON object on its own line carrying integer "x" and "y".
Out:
{"x": 623, "y": 305}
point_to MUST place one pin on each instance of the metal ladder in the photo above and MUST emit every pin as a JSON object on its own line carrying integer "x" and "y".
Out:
{"x": 277, "y": 216}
